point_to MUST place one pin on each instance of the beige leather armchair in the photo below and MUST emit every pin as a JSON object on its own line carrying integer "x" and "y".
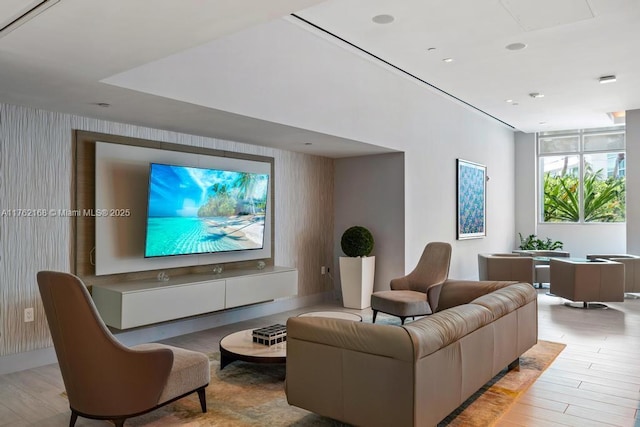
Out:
{"x": 631, "y": 269}
{"x": 104, "y": 379}
{"x": 417, "y": 293}
{"x": 587, "y": 281}
{"x": 506, "y": 267}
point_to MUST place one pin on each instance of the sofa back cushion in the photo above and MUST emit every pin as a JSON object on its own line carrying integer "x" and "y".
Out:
{"x": 505, "y": 300}
{"x": 480, "y": 304}
{"x": 385, "y": 340}
{"x": 438, "y": 330}
{"x": 458, "y": 292}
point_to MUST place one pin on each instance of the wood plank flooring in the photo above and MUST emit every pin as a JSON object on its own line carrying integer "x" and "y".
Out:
{"x": 595, "y": 381}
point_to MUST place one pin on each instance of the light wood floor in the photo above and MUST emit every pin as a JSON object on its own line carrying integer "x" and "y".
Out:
{"x": 594, "y": 382}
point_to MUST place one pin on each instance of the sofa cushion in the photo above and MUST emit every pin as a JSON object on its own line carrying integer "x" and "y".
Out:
{"x": 506, "y": 300}
{"x": 458, "y": 292}
{"x": 190, "y": 371}
{"x": 401, "y": 303}
{"x": 385, "y": 340}
{"x": 434, "y": 332}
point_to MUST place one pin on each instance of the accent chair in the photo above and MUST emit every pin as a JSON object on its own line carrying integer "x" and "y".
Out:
{"x": 631, "y": 271}
{"x": 104, "y": 379}
{"x": 589, "y": 282}
{"x": 417, "y": 293}
{"x": 498, "y": 267}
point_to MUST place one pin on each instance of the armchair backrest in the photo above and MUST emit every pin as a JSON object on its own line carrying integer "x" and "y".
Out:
{"x": 432, "y": 268}
{"x": 506, "y": 267}
{"x": 94, "y": 365}
{"x": 631, "y": 269}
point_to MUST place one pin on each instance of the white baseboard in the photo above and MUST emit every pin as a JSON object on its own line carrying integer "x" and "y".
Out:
{"x": 27, "y": 360}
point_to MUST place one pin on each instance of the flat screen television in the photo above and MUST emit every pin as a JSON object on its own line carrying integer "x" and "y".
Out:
{"x": 193, "y": 210}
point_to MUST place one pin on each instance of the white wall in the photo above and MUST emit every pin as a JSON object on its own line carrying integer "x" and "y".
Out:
{"x": 633, "y": 182}
{"x": 452, "y": 131}
{"x": 526, "y": 186}
{"x": 446, "y": 132}
{"x": 369, "y": 191}
{"x": 583, "y": 239}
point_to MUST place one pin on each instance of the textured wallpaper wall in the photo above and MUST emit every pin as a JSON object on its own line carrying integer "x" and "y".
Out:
{"x": 35, "y": 176}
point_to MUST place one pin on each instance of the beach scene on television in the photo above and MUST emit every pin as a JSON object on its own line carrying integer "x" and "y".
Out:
{"x": 195, "y": 210}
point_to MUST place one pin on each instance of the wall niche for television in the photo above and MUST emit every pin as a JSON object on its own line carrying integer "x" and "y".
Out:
{"x": 110, "y": 197}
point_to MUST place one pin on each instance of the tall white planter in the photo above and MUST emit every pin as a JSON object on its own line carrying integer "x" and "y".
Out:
{"x": 356, "y": 281}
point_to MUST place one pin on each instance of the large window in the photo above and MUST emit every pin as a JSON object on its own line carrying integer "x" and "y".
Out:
{"x": 582, "y": 175}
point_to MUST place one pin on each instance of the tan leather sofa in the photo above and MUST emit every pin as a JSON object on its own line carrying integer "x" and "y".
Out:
{"x": 631, "y": 269}
{"x": 413, "y": 375}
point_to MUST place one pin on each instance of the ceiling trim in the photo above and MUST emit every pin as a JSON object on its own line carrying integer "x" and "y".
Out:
{"x": 395, "y": 67}
{"x": 23, "y": 17}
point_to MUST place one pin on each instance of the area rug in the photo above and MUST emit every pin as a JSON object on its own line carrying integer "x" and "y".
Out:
{"x": 245, "y": 394}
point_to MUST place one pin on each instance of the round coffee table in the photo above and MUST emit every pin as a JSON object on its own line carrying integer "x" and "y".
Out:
{"x": 334, "y": 315}
{"x": 240, "y": 346}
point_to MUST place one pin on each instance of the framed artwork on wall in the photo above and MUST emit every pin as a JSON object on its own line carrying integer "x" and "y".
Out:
{"x": 471, "y": 200}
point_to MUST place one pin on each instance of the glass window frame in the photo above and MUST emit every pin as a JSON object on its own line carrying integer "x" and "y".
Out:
{"x": 580, "y": 152}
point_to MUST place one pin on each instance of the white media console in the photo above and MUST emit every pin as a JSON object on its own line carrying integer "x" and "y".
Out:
{"x": 137, "y": 303}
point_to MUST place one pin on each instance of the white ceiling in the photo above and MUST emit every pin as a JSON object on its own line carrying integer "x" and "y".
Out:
{"x": 247, "y": 70}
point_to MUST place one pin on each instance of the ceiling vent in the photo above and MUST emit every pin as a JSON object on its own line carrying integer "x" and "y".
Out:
{"x": 17, "y": 12}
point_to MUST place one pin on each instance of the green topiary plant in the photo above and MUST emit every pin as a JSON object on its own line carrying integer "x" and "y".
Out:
{"x": 357, "y": 241}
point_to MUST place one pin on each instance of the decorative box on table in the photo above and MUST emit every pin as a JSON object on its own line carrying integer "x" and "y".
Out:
{"x": 270, "y": 335}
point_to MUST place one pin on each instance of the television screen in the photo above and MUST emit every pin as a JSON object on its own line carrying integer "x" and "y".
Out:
{"x": 194, "y": 210}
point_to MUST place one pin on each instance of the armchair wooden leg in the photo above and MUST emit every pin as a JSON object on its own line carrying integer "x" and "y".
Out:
{"x": 119, "y": 422}
{"x": 375, "y": 313}
{"x": 74, "y": 418}
{"x": 402, "y": 319}
{"x": 203, "y": 399}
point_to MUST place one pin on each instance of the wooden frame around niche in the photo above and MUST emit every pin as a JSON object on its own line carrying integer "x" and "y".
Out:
{"x": 83, "y": 197}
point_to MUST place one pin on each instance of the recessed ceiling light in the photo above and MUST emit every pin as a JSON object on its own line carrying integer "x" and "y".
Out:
{"x": 515, "y": 46}
{"x": 102, "y": 104}
{"x": 607, "y": 79}
{"x": 431, "y": 49}
{"x": 536, "y": 95}
{"x": 308, "y": 143}
{"x": 543, "y": 123}
{"x": 447, "y": 60}
{"x": 383, "y": 19}
{"x": 508, "y": 101}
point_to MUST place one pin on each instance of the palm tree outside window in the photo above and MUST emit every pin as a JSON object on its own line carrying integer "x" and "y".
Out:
{"x": 582, "y": 175}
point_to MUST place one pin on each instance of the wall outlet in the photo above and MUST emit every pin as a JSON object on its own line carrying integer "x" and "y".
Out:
{"x": 28, "y": 314}
{"x": 323, "y": 270}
